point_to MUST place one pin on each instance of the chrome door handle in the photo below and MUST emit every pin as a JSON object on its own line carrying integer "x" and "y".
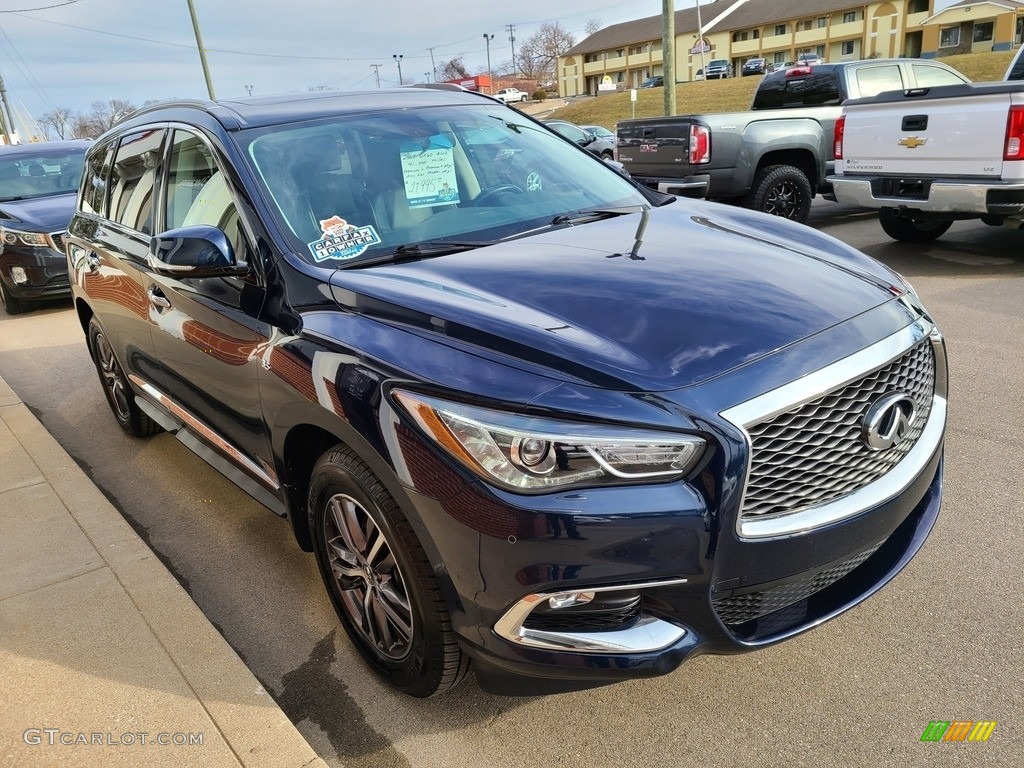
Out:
{"x": 92, "y": 261}
{"x": 157, "y": 299}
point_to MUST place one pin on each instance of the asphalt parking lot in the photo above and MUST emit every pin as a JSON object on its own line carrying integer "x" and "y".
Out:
{"x": 942, "y": 642}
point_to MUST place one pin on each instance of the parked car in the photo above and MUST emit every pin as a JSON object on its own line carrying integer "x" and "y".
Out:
{"x": 810, "y": 59}
{"x": 602, "y": 146}
{"x": 757, "y": 66}
{"x": 699, "y": 75}
{"x": 574, "y": 433}
{"x": 653, "y": 82}
{"x": 718, "y": 69}
{"x": 600, "y": 131}
{"x": 777, "y": 156}
{"x": 38, "y": 183}
{"x": 511, "y": 95}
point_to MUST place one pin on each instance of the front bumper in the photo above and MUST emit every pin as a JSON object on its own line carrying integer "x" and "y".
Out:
{"x": 46, "y": 273}
{"x": 940, "y": 196}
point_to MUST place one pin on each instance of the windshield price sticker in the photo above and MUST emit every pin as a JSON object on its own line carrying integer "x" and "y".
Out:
{"x": 342, "y": 240}
{"x": 429, "y": 173}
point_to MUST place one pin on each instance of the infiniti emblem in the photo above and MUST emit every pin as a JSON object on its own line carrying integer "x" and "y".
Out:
{"x": 888, "y": 421}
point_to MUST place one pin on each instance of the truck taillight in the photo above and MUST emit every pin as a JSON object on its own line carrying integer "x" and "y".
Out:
{"x": 700, "y": 144}
{"x": 838, "y": 132}
{"x": 1014, "y": 134}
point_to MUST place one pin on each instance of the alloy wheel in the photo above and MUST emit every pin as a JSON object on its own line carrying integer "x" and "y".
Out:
{"x": 783, "y": 200}
{"x": 113, "y": 382}
{"x": 371, "y": 585}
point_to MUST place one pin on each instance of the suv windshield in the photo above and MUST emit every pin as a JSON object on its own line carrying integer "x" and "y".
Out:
{"x": 39, "y": 175}
{"x": 357, "y": 186}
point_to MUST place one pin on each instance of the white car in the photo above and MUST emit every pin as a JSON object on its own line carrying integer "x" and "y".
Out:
{"x": 511, "y": 95}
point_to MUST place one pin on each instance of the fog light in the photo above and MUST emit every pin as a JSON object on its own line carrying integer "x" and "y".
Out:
{"x": 18, "y": 275}
{"x": 569, "y": 599}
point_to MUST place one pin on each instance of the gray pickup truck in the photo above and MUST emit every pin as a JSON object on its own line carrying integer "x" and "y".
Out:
{"x": 775, "y": 157}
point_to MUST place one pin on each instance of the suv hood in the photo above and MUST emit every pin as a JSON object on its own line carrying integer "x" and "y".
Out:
{"x": 651, "y": 301}
{"x": 39, "y": 214}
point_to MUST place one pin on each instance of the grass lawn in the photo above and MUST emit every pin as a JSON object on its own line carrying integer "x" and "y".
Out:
{"x": 734, "y": 94}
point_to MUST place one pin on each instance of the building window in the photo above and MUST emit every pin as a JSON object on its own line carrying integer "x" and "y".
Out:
{"x": 823, "y": 20}
{"x": 949, "y": 37}
{"x": 849, "y": 16}
{"x": 917, "y": 6}
{"x": 780, "y": 57}
{"x": 755, "y": 34}
{"x": 847, "y": 48}
{"x": 739, "y": 36}
{"x": 820, "y": 50}
{"x": 983, "y": 32}
{"x": 620, "y": 53}
{"x": 780, "y": 29}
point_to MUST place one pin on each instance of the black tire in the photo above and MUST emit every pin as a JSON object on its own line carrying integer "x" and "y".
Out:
{"x": 119, "y": 393}
{"x": 379, "y": 579}
{"x": 782, "y": 190}
{"x": 12, "y": 304}
{"x": 907, "y": 230}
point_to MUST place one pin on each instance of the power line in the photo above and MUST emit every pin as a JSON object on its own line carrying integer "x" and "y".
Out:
{"x": 41, "y": 8}
{"x": 26, "y": 70}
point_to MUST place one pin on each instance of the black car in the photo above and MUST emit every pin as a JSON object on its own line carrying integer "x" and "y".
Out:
{"x": 757, "y": 66}
{"x": 657, "y": 81}
{"x": 571, "y": 430}
{"x": 38, "y": 184}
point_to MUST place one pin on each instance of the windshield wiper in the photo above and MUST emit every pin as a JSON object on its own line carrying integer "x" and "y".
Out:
{"x": 411, "y": 251}
{"x": 594, "y": 214}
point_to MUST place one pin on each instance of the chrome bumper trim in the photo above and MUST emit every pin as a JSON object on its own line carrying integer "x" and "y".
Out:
{"x": 646, "y": 635}
{"x": 943, "y": 197}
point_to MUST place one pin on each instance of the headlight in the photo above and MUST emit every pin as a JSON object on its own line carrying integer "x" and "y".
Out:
{"x": 34, "y": 239}
{"x": 533, "y": 455}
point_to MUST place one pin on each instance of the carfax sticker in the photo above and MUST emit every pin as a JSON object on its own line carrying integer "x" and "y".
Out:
{"x": 342, "y": 240}
{"x": 429, "y": 172}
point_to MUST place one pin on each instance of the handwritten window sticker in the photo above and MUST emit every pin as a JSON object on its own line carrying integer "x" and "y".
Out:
{"x": 428, "y": 172}
{"x": 342, "y": 240}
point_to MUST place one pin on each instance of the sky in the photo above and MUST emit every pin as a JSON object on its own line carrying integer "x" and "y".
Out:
{"x": 76, "y": 52}
{"x": 86, "y": 50}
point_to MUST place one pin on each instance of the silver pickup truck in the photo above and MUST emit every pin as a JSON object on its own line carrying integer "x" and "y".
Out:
{"x": 927, "y": 157}
{"x": 775, "y": 157}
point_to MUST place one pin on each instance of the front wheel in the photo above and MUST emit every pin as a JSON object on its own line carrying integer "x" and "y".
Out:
{"x": 782, "y": 190}
{"x": 379, "y": 579}
{"x": 12, "y": 304}
{"x": 908, "y": 230}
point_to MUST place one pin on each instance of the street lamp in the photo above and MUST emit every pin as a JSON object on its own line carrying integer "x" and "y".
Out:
{"x": 398, "y": 60}
{"x": 490, "y": 77}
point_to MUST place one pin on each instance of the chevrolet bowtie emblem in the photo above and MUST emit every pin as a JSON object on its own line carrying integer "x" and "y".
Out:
{"x": 911, "y": 142}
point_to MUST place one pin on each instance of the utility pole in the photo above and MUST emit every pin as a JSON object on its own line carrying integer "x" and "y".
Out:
{"x": 668, "y": 54}
{"x": 512, "y": 39}
{"x": 398, "y": 60}
{"x": 700, "y": 39}
{"x": 433, "y": 66}
{"x": 202, "y": 51}
{"x": 376, "y": 72}
{"x": 5, "y": 119}
{"x": 490, "y": 77}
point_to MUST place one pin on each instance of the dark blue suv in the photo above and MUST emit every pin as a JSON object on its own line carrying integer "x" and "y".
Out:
{"x": 526, "y": 414}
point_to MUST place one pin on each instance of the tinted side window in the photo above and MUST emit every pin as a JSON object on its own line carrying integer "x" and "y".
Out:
{"x": 817, "y": 89}
{"x": 132, "y": 183}
{"x": 928, "y": 76}
{"x": 197, "y": 191}
{"x": 872, "y": 81}
{"x": 94, "y": 182}
{"x": 1016, "y": 71}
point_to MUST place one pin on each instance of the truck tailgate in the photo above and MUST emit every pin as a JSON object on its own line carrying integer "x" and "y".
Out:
{"x": 654, "y": 148}
{"x": 960, "y": 136}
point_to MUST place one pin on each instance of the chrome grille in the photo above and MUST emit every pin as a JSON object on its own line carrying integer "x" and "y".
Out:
{"x": 814, "y": 453}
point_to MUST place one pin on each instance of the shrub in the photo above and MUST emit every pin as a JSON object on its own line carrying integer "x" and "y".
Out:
{"x": 540, "y": 94}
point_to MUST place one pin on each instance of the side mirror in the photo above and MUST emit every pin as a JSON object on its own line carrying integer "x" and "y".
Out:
{"x": 194, "y": 251}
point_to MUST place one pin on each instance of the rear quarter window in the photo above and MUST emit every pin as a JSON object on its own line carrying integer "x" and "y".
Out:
{"x": 820, "y": 88}
{"x": 94, "y": 181}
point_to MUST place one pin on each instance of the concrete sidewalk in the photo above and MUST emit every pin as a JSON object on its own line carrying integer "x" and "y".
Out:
{"x": 104, "y": 658}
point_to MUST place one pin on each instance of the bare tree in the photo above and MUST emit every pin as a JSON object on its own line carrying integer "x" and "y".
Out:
{"x": 593, "y": 25}
{"x": 59, "y": 119}
{"x": 453, "y": 69}
{"x": 538, "y": 56}
{"x": 106, "y": 113}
